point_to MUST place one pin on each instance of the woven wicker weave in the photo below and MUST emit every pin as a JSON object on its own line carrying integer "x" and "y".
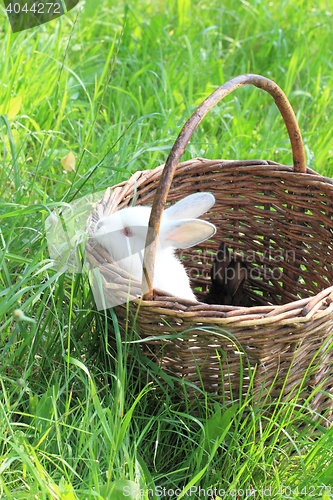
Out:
{"x": 280, "y": 219}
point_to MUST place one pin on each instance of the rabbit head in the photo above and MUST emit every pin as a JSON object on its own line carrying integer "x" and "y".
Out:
{"x": 228, "y": 274}
{"x": 123, "y": 234}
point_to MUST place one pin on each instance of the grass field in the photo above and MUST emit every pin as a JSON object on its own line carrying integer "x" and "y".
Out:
{"x": 114, "y": 83}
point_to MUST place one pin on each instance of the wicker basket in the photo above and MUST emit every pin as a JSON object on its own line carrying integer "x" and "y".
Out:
{"x": 280, "y": 218}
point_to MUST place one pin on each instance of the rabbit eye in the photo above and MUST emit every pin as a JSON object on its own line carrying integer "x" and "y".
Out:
{"x": 128, "y": 231}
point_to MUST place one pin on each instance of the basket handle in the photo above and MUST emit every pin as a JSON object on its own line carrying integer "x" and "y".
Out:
{"x": 182, "y": 140}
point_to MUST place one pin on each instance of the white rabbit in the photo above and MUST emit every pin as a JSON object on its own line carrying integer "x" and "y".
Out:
{"x": 123, "y": 235}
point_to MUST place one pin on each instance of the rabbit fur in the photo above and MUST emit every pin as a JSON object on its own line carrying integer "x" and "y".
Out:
{"x": 123, "y": 235}
{"x": 228, "y": 274}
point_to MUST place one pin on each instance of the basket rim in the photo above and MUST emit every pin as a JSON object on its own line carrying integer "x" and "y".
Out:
{"x": 141, "y": 175}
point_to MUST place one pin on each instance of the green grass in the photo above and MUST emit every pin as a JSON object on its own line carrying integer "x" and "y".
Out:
{"x": 114, "y": 85}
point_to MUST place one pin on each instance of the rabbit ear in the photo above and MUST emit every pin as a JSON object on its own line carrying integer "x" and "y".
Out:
{"x": 238, "y": 275}
{"x": 190, "y": 207}
{"x": 185, "y": 233}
